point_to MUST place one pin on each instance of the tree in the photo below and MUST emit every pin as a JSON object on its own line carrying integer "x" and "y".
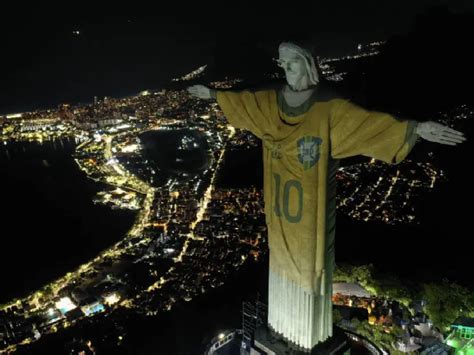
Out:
{"x": 446, "y": 301}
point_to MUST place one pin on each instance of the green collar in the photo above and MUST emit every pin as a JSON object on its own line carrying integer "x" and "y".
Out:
{"x": 297, "y": 110}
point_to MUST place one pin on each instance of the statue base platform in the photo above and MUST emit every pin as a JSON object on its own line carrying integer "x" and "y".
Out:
{"x": 268, "y": 343}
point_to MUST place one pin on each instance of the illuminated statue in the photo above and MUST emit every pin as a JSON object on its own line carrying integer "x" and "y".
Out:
{"x": 305, "y": 131}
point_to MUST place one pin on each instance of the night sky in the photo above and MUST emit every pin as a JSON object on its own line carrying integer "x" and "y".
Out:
{"x": 123, "y": 50}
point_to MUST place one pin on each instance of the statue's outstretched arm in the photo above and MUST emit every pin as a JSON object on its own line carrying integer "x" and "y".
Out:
{"x": 357, "y": 131}
{"x": 252, "y": 111}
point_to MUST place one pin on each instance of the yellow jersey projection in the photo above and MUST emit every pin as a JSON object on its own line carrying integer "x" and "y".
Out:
{"x": 301, "y": 146}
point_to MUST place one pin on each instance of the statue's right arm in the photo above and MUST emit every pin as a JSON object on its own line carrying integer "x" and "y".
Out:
{"x": 242, "y": 109}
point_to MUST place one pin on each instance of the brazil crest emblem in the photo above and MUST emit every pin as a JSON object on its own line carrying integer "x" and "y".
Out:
{"x": 308, "y": 151}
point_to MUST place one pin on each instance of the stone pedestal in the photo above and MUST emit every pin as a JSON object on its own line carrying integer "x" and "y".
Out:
{"x": 269, "y": 343}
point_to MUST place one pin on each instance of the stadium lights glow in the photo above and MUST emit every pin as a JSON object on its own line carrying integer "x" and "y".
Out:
{"x": 65, "y": 305}
{"x": 111, "y": 299}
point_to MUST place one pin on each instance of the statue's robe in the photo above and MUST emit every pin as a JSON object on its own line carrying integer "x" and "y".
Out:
{"x": 301, "y": 146}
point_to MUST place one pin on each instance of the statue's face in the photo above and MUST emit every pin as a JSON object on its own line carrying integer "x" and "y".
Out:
{"x": 294, "y": 66}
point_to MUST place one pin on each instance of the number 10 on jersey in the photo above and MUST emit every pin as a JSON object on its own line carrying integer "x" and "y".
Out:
{"x": 282, "y": 194}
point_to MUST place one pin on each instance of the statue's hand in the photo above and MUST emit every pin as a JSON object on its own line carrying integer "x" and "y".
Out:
{"x": 200, "y": 91}
{"x": 438, "y": 133}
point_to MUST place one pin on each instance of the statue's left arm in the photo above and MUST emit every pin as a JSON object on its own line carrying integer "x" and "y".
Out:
{"x": 357, "y": 131}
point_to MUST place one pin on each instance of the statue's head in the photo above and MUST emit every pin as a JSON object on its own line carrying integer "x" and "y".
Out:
{"x": 298, "y": 64}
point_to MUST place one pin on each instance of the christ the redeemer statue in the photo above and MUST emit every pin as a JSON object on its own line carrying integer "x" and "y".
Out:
{"x": 304, "y": 132}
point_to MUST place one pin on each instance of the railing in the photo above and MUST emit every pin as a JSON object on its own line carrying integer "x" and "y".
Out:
{"x": 222, "y": 339}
